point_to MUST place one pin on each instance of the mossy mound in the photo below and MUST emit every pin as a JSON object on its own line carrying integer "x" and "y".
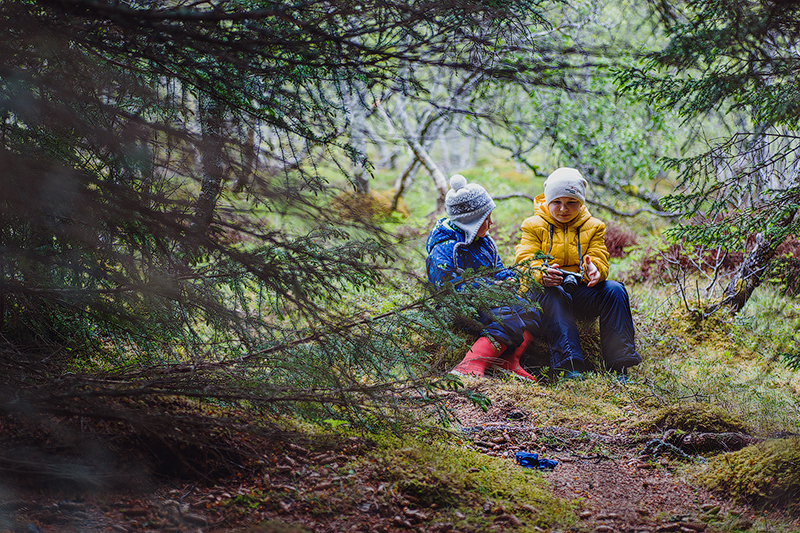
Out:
{"x": 459, "y": 484}
{"x": 768, "y": 472}
{"x": 695, "y": 416}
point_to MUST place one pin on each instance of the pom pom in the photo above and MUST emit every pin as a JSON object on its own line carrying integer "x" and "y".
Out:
{"x": 458, "y": 182}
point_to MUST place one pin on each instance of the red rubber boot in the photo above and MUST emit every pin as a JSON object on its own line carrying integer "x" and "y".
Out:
{"x": 509, "y": 362}
{"x": 482, "y": 354}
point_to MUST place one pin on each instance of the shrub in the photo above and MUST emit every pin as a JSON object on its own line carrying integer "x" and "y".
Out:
{"x": 787, "y": 266}
{"x": 617, "y": 239}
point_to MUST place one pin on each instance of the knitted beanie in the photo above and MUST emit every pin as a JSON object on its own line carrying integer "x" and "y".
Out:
{"x": 467, "y": 206}
{"x": 565, "y": 182}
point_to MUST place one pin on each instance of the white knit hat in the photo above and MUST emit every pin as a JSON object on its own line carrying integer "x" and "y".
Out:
{"x": 467, "y": 206}
{"x": 565, "y": 182}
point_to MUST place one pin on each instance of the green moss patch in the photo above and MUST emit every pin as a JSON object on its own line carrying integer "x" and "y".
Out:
{"x": 768, "y": 472}
{"x": 695, "y": 416}
{"x": 463, "y": 487}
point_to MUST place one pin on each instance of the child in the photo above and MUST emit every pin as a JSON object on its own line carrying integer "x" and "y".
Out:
{"x": 564, "y": 229}
{"x": 460, "y": 242}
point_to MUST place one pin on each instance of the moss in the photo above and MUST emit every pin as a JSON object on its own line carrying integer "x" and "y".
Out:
{"x": 450, "y": 479}
{"x": 768, "y": 472}
{"x": 695, "y": 416}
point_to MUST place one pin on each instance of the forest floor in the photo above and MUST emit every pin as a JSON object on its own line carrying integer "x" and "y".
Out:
{"x": 303, "y": 485}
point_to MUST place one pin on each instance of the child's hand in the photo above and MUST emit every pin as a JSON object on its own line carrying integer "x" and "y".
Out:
{"x": 551, "y": 277}
{"x": 592, "y": 272}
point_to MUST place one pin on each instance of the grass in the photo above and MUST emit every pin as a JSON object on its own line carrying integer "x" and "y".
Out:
{"x": 731, "y": 362}
{"x": 724, "y": 364}
{"x": 724, "y": 361}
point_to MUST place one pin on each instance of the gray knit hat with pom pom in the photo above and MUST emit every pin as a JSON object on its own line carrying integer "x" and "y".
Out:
{"x": 467, "y": 206}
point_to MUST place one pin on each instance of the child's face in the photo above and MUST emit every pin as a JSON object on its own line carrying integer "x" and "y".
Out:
{"x": 564, "y": 208}
{"x": 487, "y": 223}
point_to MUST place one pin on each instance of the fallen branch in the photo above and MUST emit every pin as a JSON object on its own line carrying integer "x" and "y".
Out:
{"x": 710, "y": 442}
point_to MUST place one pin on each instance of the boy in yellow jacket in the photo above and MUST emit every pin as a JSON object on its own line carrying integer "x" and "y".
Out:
{"x": 564, "y": 229}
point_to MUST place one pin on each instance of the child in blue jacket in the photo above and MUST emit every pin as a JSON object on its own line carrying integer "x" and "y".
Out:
{"x": 460, "y": 242}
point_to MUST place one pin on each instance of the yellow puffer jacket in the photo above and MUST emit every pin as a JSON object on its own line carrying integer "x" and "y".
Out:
{"x": 536, "y": 237}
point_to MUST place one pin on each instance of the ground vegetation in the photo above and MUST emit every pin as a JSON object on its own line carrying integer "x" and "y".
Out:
{"x": 207, "y": 323}
{"x": 736, "y": 58}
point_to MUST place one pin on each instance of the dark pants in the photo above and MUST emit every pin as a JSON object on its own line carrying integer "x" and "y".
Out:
{"x": 507, "y": 324}
{"x": 607, "y": 300}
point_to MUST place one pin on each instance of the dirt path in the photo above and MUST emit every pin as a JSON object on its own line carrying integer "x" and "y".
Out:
{"x": 618, "y": 488}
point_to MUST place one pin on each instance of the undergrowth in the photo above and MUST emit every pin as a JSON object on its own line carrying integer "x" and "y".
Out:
{"x": 467, "y": 488}
{"x": 764, "y": 473}
{"x": 730, "y": 362}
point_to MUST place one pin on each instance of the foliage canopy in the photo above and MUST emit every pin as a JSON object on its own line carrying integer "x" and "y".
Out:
{"x": 743, "y": 192}
{"x": 127, "y": 248}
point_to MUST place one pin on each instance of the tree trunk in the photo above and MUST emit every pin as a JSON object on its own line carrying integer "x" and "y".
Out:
{"x": 420, "y": 141}
{"x": 424, "y": 158}
{"x": 357, "y": 117}
{"x": 249, "y": 159}
{"x": 712, "y": 442}
{"x": 404, "y": 180}
{"x": 750, "y": 275}
{"x": 211, "y": 155}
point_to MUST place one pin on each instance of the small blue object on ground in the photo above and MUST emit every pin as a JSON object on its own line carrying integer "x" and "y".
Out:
{"x": 572, "y": 375}
{"x": 532, "y": 460}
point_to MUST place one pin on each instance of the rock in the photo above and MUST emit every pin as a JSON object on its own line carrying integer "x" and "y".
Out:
{"x": 71, "y": 506}
{"x": 195, "y": 519}
{"x": 694, "y": 525}
{"x": 417, "y": 515}
{"x": 509, "y": 518}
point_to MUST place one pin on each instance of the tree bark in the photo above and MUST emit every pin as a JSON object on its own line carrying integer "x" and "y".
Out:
{"x": 357, "y": 117}
{"x": 712, "y": 442}
{"x": 751, "y": 273}
{"x": 249, "y": 159}
{"x": 424, "y": 158}
{"x": 212, "y": 114}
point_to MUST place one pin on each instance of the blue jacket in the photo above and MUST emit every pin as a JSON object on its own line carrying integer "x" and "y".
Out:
{"x": 449, "y": 256}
